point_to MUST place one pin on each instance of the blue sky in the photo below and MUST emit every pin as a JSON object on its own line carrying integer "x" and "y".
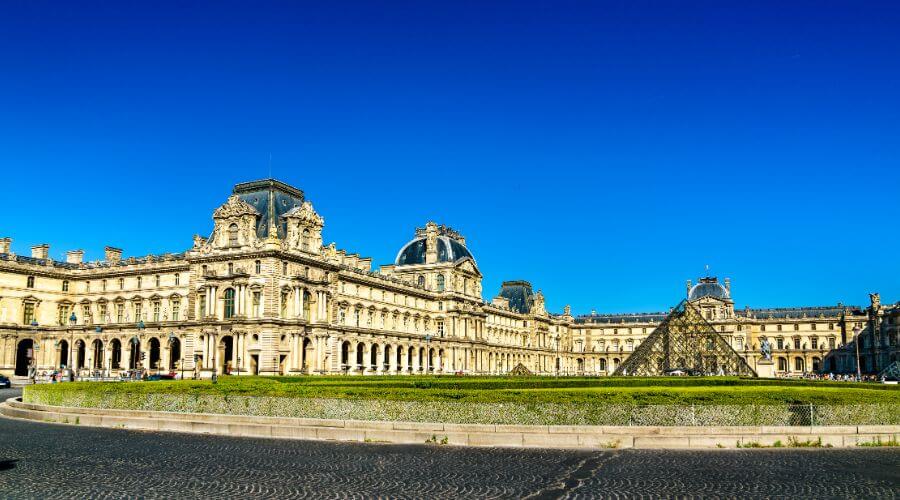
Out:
{"x": 605, "y": 151}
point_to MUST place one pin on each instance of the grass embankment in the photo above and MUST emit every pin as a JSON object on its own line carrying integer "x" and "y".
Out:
{"x": 522, "y": 390}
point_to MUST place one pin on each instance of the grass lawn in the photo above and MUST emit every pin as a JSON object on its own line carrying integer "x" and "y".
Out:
{"x": 524, "y": 390}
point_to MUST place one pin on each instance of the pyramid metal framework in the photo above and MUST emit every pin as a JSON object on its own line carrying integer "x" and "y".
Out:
{"x": 685, "y": 341}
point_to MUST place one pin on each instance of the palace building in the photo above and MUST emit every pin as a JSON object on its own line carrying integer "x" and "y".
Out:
{"x": 263, "y": 295}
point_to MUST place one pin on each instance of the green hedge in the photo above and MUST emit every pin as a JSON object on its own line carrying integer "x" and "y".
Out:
{"x": 633, "y": 391}
{"x": 522, "y": 413}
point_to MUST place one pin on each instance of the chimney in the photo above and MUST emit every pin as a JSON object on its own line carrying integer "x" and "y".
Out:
{"x": 113, "y": 254}
{"x": 41, "y": 251}
{"x": 75, "y": 256}
{"x": 687, "y": 285}
{"x": 728, "y": 286}
{"x": 4, "y": 245}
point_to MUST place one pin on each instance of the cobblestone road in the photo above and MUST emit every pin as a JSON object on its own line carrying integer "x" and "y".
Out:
{"x": 47, "y": 460}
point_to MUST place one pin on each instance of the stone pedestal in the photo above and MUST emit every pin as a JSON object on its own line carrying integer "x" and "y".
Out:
{"x": 765, "y": 368}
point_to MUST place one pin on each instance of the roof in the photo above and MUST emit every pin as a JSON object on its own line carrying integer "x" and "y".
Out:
{"x": 519, "y": 295}
{"x": 448, "y": 250}
{"x": 271, "y": 198}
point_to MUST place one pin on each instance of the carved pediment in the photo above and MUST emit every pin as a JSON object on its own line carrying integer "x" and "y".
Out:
{"x": 234, "y": 207}
{"x": 305, "y": 214}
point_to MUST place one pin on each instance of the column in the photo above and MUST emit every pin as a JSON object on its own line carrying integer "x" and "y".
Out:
{"x": 415, "y": 359}
{"x": 392, "y": 362}
{"x": 351, "y": 357}
{"x": 300, "y": 305}
{"x": 437, "y": 361}
{"x": 235, "y": 349}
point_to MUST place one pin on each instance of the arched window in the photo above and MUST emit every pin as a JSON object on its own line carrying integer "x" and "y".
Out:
{"x": 229, "y": 303}
{"x": 304, "y": 240}
{"x": 233, "y": 235}
{"x": 258, "y": 267}
{"x": 440, "y": 282}
{"x": 65, "y": 286}
{"x": 421, "y": 281}
{"x": 30, "y": 282}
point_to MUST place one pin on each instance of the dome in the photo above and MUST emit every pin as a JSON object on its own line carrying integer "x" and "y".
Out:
{"x": 448, "y": 250}
{"x": 708, "y": 288}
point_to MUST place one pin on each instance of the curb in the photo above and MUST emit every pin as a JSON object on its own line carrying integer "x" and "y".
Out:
{"x": 515, "y": 436}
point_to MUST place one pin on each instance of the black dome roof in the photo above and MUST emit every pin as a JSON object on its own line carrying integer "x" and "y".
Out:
{"x": 708, "y": 288}
{"x": 448, "y": 250}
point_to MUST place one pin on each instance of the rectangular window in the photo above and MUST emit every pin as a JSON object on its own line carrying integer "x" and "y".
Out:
{"x": 28, "y": 316}
{"x": 157, "y": 280}
{"x": 139, "y": 281}
{"x": 87, "y": 286}
{"x": 257, "y": 296}
{"x": 831, "y": 342}
{"x": 176, "y": 308}
{"x": 138, "y": 311}
{"x": 796, "y": 343}
{"x": 202, "y": 304}
{"x": 62, "y": 315}
{"x": 120, "y": 313}
{"x": 814, "y": 342}
{"x": 102, "y": 312}
{"x": 155, "y": 310}
{"x": 284, "y": 304}
{"x": 121, "y": 283}
{"x": 103, "y": 285}
{"x": 813, "y": 326}
{"x": 780, "y": 343}
{"x": 85, "y": 313}
{"x": 29, "y": 282}
{"x": 65, "y": 286}
{"x": 177, "y": 279}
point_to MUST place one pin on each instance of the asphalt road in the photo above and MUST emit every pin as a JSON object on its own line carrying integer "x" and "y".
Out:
{"x": 66, "y": 461}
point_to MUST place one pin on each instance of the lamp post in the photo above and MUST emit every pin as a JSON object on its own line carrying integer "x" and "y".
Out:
{"x": 238, "y": 366}
{"x": 856, "y": 332}
{"x": 72, "y": 321}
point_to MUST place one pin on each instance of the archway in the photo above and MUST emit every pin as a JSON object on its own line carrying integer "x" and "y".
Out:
{"x": 116, "y": 350}
{"x": 135, "y": 354}
{"x": 306, "y": 355}
{"x": 63, "y": 356}
{"x": 24, "y": 356}
{"x": 816, "y": 364}
{"x": 430, "y": 360}
{"x": 79, "y": 354}
{"x": 226, "y": 353}
{"x": 399, "y": 358}
{"x": 386, "y": 365}
{"x": 154, "y": 354}
{"x": 373, "y": 357}
{"x": 174, "y": 353}
{"x": 345, "y": 355}
{"x": 97, "y": 348}
{"x": 360, "y": 348}
{"x": 422, "y": 360}
{"x": 409, "y": 358}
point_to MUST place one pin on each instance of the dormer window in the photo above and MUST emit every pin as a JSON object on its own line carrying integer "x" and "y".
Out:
{"x": 304, "y": 240}
{"x": 233, "y": 235}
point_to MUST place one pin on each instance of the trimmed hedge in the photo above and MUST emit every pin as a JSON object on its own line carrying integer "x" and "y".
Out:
{"x": 532, "y": 400}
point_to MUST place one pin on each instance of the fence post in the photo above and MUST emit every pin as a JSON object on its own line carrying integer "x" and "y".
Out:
{"x": 812, "y": 415}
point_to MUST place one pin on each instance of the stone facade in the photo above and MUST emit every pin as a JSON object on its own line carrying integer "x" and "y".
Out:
{"x": 263, "y": 295}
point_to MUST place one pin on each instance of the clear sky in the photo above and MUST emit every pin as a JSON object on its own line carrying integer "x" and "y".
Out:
{"x": 604, "y": 151}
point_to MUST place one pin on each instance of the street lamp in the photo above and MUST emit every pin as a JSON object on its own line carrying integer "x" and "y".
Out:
{"x": 238, "y": 366}
{"x": 856, "y": 332}
{"x": 72, "y": 321}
